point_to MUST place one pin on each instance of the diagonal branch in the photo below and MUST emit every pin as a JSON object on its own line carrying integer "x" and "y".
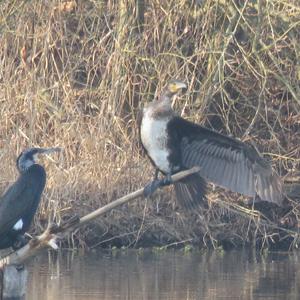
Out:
{"x": 48, "y": 238}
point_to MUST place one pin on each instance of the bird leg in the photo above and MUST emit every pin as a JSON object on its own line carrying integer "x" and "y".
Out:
{"x": 151, "y": 187}
{"x": 167, "y": 180}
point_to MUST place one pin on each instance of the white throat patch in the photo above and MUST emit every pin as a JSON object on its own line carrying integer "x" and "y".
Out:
{"x": 25, "y": 163}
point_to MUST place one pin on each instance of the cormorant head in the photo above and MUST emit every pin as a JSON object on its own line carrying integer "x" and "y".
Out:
{"x": 173, "y": 87}
{"x": 29, "y": 157}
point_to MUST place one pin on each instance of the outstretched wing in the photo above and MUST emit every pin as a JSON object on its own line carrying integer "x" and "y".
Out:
{"x": 21, "y": 198}
{"x": 226, "y": 161}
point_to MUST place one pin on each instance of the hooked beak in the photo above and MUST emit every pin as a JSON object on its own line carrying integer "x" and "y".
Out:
{"x": 180, "y": 85}
{"x": 176, "y": 85}
{"x": 49, "y": 150}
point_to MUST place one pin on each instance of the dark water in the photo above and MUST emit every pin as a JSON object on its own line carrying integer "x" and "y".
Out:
{"x": 168, "y": 275}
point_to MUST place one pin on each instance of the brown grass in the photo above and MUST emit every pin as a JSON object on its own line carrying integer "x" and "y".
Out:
{"x": 76, "y": 74}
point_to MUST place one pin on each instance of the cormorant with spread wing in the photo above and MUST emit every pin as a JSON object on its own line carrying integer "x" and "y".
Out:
{"x": 174, "y": 144}
{"x": 20, "y": 202}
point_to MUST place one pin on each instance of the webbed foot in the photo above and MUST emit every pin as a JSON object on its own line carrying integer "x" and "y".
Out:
{"x": 167, "y": 180}
{"x": 151, "y": 187}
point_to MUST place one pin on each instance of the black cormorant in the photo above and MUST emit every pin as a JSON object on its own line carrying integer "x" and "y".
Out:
{"x": 20, "y": 202}
{"x": 174, "y": 144}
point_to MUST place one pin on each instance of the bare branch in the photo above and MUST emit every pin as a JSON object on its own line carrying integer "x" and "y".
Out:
{"x": 48, "y": 238}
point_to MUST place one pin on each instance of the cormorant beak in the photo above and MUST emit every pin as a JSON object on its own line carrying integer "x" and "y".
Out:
{"x": 49, "y": 150}
{"x": 176, "y": 85}
{"x": 181, "y": 85}
{"x": 46, "y": 151}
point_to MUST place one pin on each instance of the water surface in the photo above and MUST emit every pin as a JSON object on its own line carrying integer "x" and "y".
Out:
{"x": 171, "y": 275}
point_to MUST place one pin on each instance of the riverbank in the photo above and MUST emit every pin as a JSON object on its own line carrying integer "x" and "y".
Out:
{"x": 76, "y": 74}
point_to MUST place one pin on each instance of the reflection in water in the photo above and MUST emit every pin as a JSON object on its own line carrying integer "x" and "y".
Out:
{"x": 170, "y": 275}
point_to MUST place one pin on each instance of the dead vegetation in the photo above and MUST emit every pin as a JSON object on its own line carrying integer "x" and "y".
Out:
{"x": 75, "y": 74}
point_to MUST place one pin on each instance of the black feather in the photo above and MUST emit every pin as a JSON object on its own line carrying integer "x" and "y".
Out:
{"x": 190, "y": 192}
{"x": 224, "y": 161}
{"x": 21, "y": 200}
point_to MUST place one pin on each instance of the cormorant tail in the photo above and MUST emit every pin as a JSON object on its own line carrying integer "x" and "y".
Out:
{"x": 190, "y": 192}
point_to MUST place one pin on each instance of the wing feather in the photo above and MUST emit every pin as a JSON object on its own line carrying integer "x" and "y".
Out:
{"x": 226, "y": 161}
{"x": 190, "y": 192}
{"x": 23, "y": 196}
{"x": 8, "y": 216}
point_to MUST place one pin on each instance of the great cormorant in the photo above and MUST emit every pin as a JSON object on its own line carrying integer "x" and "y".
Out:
{"x": 174, "y": 144}
{"x": 20, "y": 202}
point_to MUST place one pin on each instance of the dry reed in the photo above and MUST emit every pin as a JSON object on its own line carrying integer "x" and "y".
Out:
{"x": 75, "y": 75}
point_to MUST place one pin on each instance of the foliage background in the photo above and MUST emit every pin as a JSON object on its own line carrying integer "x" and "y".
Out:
{"x": 75, "y": 75}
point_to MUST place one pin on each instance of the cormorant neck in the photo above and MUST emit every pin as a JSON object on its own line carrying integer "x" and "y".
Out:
{"x": 162, "y": 106}
{"x": 166, "y": 96}
{"x": 164, "y": 102}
